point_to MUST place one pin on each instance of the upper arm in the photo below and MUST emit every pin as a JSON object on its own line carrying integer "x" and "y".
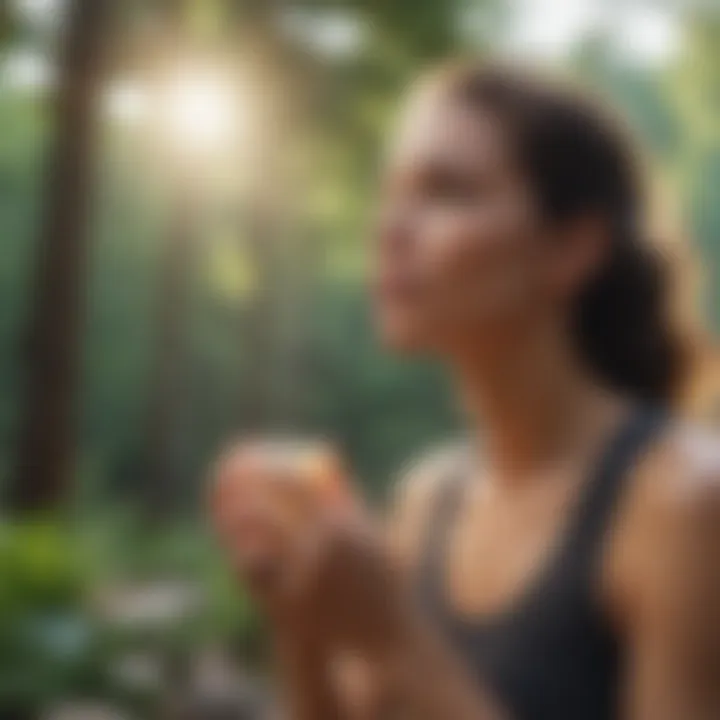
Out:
{"x": 674, "y": 619}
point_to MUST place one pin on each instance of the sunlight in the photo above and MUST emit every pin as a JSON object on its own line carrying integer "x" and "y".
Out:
{"x": 127, "y": 103}
{"x": 198, "y": 114}
{"x": 200, "y": 111}
{"x": 640, "y": 33}
{"x": 647, "y": 35}
{"x": 27, "y": 70}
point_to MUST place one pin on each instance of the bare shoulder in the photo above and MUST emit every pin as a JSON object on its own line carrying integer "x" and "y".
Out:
{"x": 419, "y": 478}
{"x": 669, "y": 529}
{"x": 680, "y": 480}
{"x": 414, "y": 494}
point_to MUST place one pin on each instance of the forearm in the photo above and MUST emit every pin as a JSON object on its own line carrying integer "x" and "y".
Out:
{"x": 305, "y": 686}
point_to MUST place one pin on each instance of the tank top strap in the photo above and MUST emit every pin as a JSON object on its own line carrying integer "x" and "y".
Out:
{"x": 596, "y": 508}
{"x": 438, "y": 523}
{"x": 592, "y": 518}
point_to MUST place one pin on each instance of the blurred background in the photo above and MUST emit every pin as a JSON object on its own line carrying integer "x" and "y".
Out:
{"x": 186, "y": 189}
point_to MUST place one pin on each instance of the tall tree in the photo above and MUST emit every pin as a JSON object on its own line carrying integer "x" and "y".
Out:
{"x": 45, "y": 451}
{"x": 166, "y": 389}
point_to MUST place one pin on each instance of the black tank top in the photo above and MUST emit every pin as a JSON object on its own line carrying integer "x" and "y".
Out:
{"x": 551, "y": 655}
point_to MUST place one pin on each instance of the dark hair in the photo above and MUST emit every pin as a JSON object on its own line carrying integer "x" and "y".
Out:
{"x": 579, "y": 161}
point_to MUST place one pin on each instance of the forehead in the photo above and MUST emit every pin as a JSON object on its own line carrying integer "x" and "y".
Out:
{"x": 436, "y": 129}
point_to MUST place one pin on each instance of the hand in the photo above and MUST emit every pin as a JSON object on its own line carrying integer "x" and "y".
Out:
{"x": 300, "y": 539}
{"x": 267, "y": 498}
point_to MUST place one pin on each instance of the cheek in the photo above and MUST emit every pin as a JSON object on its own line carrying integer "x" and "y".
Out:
{"x": 476, "y": 272}
{"x": 482, "y": 268}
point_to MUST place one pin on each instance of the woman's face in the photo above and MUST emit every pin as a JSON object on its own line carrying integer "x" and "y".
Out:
{"x": 461, "y": 259}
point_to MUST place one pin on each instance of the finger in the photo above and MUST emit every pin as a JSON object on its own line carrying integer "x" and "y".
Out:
{"x": 238, "y": 475}
{"x": 250, "y": 523}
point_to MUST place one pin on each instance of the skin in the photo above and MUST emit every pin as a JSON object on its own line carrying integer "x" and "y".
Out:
{"x": 468, "y": 271}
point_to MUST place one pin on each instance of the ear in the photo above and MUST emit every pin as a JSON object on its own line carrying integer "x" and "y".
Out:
{"x": 580, "y": 250}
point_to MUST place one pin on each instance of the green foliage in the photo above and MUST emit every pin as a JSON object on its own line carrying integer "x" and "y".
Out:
{"x": 64, "y": 636}
{"x": 38, "y": 568}
{"x": 47, "y": 644}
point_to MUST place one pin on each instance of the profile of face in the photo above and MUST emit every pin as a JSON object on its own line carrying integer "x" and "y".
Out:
{"x": 463, "y": 259}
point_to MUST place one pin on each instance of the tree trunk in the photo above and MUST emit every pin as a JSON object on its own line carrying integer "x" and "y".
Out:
{"x": 269, "y": 392}
{"x": 46, "y": 444}
{"x": 167, "y": 383}
{"x": 166, "y": 389}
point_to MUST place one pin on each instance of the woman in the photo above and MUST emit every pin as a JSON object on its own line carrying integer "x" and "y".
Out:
{"x": 572, "y": 572}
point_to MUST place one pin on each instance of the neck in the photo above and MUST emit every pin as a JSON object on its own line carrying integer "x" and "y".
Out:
{"x": 533, "y": 404}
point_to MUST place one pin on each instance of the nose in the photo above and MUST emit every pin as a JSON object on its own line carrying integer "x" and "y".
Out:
{"x": 394, "y": 231}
